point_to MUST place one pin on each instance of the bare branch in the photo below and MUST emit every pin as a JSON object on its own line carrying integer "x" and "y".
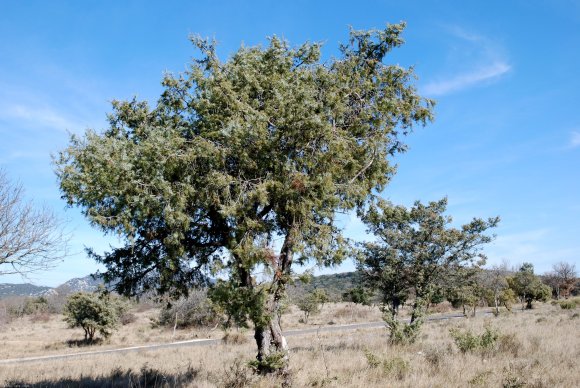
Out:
{"x": 31, "y": 239}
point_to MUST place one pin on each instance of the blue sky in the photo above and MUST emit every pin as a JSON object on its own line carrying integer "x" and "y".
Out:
{"x": 506, "y": 139}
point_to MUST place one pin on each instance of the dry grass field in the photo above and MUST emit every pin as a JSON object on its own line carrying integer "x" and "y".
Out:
{"x": 537, "y": 348}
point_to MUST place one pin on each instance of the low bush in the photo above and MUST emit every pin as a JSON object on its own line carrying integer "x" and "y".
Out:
{"x": 467, "y": 341}
{"x": 569, "y": 304}
{"x": 394, "y": 366}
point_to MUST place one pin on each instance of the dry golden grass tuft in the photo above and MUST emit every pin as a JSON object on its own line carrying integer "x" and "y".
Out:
{"x": 529, "y": 352}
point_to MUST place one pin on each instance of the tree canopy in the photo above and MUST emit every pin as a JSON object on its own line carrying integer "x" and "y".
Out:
{"x": 528, "y": 286}
{"x": 417, "y": 253}
{"x": 93, "y": 312}
{"x": 244, "y": 164}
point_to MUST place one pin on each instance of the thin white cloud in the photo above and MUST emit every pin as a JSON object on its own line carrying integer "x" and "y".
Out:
{"x": 463, "y": 81}
{"x": 485, "y": 62}
{"x": 44, "y": 117}
{"x": 575, "y": 139}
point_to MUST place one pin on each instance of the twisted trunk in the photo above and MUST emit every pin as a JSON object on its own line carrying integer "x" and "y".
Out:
{"x": 273, "y": 354}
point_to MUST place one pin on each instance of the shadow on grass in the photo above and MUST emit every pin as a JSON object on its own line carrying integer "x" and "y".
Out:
{"x": 145, "y": 377}
{"x": 83, "y": 343}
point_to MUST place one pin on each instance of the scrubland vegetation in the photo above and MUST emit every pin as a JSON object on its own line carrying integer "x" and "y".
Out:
{"x": 233, "y": 179}
{"x": 529, "y": 348}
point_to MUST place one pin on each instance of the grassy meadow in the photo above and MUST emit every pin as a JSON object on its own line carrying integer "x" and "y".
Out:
{"x": 535, "y": 348}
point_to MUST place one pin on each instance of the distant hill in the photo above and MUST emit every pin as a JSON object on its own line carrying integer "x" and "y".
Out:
{"x": 7, "y": 289}
{"x": 334, "y": 285}
{"x": 86, "y": 284}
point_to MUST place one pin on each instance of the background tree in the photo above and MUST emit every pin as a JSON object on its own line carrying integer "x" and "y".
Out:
{"x": 268, "y": 144}
{"x": 312, "y": 303}
{"x": 528, "y": 287}
{"x": 357, "y": 295}
{"x": 465, "y": 289}
{"x": 495, "y": 282}
{"x": 416, "y": 253}
{"x": 565, "y": 276}
{"x": 31, "y": 239}
{"x": 93, "y": 312}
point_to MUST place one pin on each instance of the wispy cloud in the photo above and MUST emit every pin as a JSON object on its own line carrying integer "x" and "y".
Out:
{"x": 575, "y": 139}
{"x": 44, "y": 117}
{"x": 462, "y": 81}
{"x": 484, "y": 60}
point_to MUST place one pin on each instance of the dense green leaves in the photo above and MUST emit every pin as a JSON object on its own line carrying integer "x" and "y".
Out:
{"x": 96, "y": 312}
{"x": 243, "y": 165}
{"x": 528, "y": 287}
{"x": 270, "y": 142}
{"x": 418, "y": 253}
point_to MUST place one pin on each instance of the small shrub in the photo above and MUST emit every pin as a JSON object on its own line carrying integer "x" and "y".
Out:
{"x": 512, "y": 378}
{"x": 574, "y": 316}
{"x": 395, "y": 366}
{"x": 402, "y": 333}
{"x": 488, "y": 338}
{"x": 467, "y": 341}
{"x": 372, "y": 359}
{"x": 93, "y": 312}
{"x": 271, "y": 363}
{"x": 568, "y": 304}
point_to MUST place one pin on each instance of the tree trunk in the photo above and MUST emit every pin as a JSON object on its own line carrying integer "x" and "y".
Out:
{"x": 273, "y": 355}
{"x": 529, "y": 304}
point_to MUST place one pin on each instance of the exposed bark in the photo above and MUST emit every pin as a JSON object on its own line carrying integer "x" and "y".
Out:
{"x": 269, "y": 338}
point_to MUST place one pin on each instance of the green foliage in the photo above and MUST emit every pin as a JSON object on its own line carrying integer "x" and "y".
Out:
{"x": 239, "y": 304}
{"x": 418, "y": 253}
{"x": 358, "y": 295}
{"x": 335, "y": 285}
{"x": 271, "y": 363}
{"x": 94, "y": 312}
{"x": 400, "y": 332}
{"x": 568, "y": 304}
{"x": 528, "y": 287}
{"x": 273, "y": 142}
{"x": 467, "y": 341}
{"x": 36, "y": 305}
{"x": 311, "y": 303}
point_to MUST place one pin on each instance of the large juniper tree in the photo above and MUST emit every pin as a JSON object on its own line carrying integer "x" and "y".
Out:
{"x": 243, "y": 165}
